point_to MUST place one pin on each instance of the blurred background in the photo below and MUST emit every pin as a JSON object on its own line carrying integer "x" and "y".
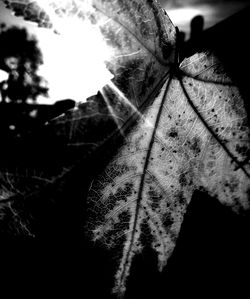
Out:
{"x": 182, "y": 12}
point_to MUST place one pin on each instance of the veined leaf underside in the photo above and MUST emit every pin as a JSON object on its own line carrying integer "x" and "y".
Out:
{"x": 193, "y": 137}
{"x": 239, "y": 164}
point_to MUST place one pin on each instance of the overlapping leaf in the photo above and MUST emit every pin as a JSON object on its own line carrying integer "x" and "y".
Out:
{"x": 178, "y": 147}
{"x": 140, "y": 36}
{"x": 141, "y": 40}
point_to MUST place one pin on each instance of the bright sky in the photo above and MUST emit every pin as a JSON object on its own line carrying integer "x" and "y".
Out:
{"x": 74, "y": 69}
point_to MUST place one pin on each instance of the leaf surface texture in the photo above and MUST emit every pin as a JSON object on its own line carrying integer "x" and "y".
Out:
{"x": 169, "y": 154}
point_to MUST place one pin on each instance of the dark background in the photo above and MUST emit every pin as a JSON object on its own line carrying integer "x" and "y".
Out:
{"x": 213, "y": 11}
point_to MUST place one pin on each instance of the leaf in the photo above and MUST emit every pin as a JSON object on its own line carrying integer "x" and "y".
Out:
{"x": 141, "y": 40}
{"x": 193, "y": 137}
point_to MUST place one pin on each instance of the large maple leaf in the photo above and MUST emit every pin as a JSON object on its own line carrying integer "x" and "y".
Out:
{"x": 192, "y": 136}
{"x": 178, "y": 146}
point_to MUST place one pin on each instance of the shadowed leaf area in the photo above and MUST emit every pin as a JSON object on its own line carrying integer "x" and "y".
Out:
{"x": 154, "y": 169}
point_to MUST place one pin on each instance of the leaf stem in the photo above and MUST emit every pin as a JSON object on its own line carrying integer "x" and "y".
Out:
{"x": 145, "y": 167}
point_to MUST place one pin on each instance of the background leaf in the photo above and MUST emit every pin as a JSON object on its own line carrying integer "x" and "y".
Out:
{"x": 141, "y": 55}
{"x": 140, "y": 35}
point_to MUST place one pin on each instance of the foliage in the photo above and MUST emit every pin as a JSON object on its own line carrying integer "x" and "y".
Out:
{"x": 184, "y": 128}
{"x": 20, "y": 56}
